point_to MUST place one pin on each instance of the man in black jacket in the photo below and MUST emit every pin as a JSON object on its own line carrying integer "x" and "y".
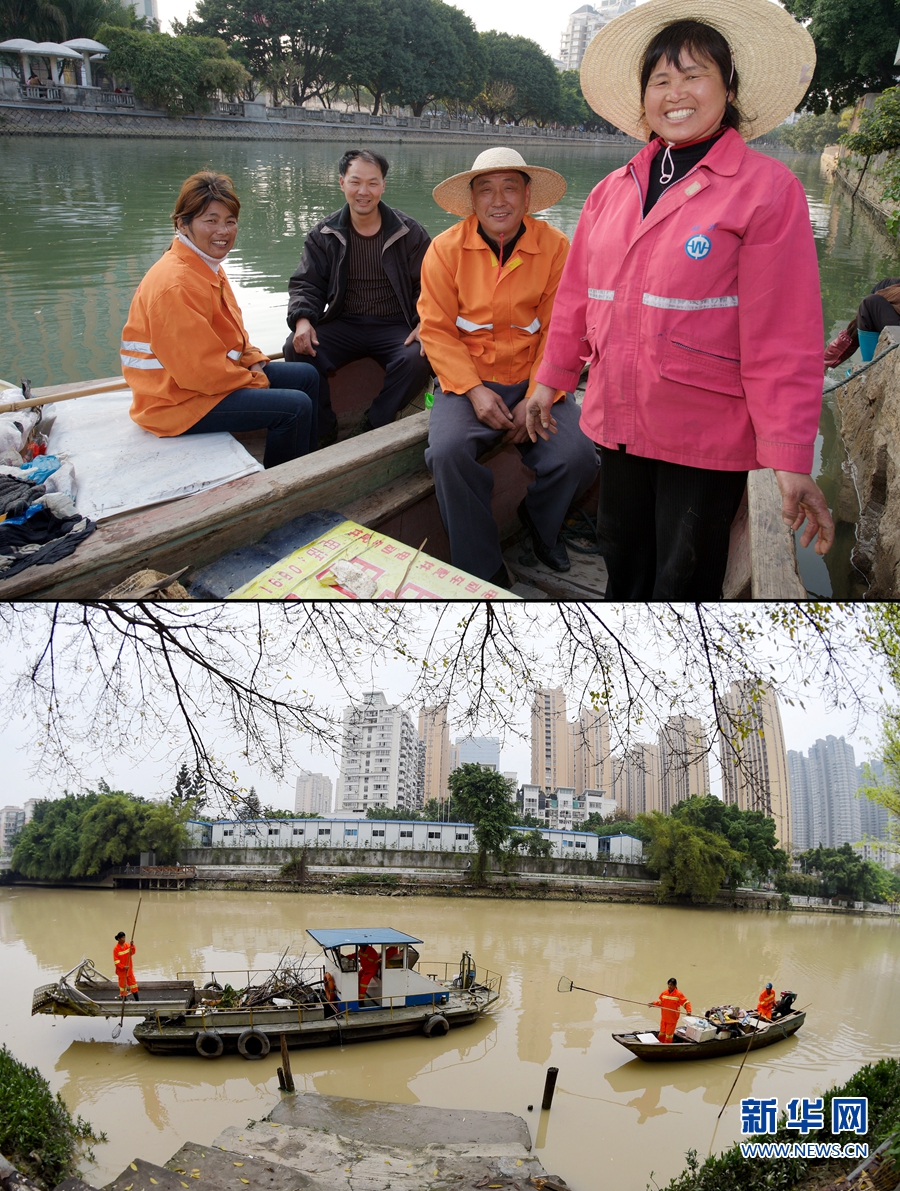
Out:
{"x": 354, "y": 294}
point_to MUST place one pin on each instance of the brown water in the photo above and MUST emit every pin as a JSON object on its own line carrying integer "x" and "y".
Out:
{"x": 614, "y": 1119}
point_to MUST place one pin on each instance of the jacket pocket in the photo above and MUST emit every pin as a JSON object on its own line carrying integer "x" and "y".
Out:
{"x": 701, "y": 365}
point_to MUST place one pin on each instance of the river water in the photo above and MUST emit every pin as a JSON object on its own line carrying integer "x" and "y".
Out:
{"x": 614, "y": 1118}
{"x": 83, "y": 219}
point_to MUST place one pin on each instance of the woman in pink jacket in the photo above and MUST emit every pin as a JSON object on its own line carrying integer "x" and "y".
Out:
{"x": 692, "y": 290}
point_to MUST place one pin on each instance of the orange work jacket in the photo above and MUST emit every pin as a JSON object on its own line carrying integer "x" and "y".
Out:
{"x": 766, "y": 1002}
{"x": 479, "y": 322}
{"x": 671, "y": 1002}
{"x": 122, "y": 953}
{"x": 184, "y": 346}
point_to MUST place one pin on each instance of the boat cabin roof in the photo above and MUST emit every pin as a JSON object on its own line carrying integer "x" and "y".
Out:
{"x": 375, "y": 935}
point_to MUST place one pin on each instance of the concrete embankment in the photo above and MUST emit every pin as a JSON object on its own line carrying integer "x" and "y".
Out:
{"x": 868, "y": 414}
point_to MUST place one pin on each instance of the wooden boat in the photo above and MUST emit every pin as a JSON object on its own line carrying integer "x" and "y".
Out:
{"x": 646, "y": 1045}
{"x": 317, "y": 1005}
{"x": 378, "y": 479}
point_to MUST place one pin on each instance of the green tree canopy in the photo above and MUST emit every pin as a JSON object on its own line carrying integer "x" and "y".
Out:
{"x": 532, "y": 843}
{"x": 844, "y": 873}
{"x": 811, "y": 132}
{"x": 482, "y": 796}
{"x": 522, "y": 82}
{"x": 435, "y": 53}
{"x": 750, "y": 833}
{"x": 855, "y": 48}
{"x": 691, "y": 861}
{"x": 190, "y": 789}
{"x": 80, "y": 835}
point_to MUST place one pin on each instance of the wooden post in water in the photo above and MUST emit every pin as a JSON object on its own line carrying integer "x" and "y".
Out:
{"x": 549, "y": 1086}
{"x": 286, "y": 1065}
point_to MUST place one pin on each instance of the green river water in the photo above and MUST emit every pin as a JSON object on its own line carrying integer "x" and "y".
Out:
{"x": 614, "y": 1119}
{"x": 81, "y": 221}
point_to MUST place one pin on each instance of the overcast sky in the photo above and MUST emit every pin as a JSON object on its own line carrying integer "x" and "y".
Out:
{"x": 153, "y": 775}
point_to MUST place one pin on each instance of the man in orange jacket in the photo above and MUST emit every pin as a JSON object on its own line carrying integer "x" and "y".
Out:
{"x": 766, "y": 1003}
{"x": 122, "y": 958}
{"x": 488, "y": 286}
{"x": 671, "y": 1001}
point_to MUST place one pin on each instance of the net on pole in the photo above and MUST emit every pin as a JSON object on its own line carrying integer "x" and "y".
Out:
{"x": 564, "y": 984}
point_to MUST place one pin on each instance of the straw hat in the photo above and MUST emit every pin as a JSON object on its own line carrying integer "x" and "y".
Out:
{"x": 773, "y": 54}
{"x": 455, "y": 194}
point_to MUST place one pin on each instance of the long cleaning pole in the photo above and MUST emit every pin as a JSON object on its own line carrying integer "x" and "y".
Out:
{"x": 117, "y": 1030}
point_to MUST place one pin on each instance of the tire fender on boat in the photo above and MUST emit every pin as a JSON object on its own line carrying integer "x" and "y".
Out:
{"x": 213, "y": 986}
{"x": 254, "y": 1044}
{"x": 209, "y": 1043}
{"x": 436, "y": 1024}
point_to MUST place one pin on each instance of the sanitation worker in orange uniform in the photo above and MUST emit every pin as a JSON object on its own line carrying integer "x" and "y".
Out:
{"x": 766, "y": 1003}
{"x": 369, "y": 967}
{"x": 671, "y": 1001}
{"x": 122, "y": 958}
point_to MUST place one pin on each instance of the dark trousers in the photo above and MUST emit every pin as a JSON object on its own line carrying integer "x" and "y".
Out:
{"x": 875, "y": 313}
{"x": 664, "y": 528}
{"x": 565, "y": 467}
{"x": 287, "y": 410}
{"x": 356, "y": 337}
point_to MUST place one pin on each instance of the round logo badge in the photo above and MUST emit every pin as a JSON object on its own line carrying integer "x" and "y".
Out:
{"x": 698, "y": 247}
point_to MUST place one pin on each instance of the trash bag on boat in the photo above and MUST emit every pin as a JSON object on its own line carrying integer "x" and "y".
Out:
{"x": 16, "y": 427}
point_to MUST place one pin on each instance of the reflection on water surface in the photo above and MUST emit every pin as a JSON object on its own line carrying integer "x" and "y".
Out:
{"x": 614, "y": 1119}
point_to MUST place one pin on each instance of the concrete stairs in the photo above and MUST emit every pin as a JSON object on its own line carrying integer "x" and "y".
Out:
{"x": 333, "y": 1143}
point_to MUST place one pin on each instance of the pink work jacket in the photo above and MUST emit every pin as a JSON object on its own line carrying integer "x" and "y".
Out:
{"x": 702, "y": 322}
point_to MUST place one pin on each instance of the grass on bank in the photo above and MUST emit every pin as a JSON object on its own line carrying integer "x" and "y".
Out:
{"x": 38, "y": 1134}
{"x": 731, "y": 1171}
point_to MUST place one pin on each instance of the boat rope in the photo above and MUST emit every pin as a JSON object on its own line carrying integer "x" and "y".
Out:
{"x": 858, "y": 371}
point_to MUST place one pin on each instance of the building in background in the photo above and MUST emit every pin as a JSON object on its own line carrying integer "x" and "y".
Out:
{"x": 379, "y": 757}
{"x": 683, "y": 761}
{"x": 313, "y": 794}
{"x": 589, "y": 751}
{"x": 551, "y": 763}
{"x": 581, "y": 27}
{"x": 12, "y": 820}
{"x": 635, "y": 786}
{"x": 434, "y": 732}
{"x": 823, "y": 791}
{"x": 753, "y": 756}
{"x": 476, "y": 750}
{"x": 873, "y": 817}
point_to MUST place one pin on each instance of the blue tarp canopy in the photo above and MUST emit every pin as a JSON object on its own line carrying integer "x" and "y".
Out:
{"x": 376, "y": 935}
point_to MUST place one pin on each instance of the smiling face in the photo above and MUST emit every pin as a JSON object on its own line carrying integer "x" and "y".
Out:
{"x": 214, "y": 230}
{"x": 500, "y": 201}
{"x": 363, "y": 186}
{"x": 687, "y": 102}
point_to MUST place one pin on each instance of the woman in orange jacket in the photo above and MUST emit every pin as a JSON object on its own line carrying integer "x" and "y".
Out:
{"x": 671, "y": 1001}
{"x": 123, "y": 954}
{"x": 185, "y": 352}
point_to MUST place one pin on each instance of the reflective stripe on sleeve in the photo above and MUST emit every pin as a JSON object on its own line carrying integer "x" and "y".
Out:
{"x": 465, "y": 325}
{"x": 690, "y": 303}
{"x": 602, "y": 295}
{"x": 531, "y": 329}
{"x": 234, "y": 355}
{"x": 137, "y": 362}
{"x": 134, "y": 345}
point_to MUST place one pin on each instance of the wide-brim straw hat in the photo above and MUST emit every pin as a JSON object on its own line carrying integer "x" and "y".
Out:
{"x": 774, "y": 57}
{"x": 455, "y": 194}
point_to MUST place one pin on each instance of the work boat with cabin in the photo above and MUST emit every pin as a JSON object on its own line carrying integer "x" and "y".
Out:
{"x": 368, "y": 983}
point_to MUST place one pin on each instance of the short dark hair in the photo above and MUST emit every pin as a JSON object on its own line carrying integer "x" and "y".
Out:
{"x": 703, "y": 41}
{"x": 199, "y": 190}
{"x": 121, "y": 935}
{"x": 672, "y": 980}
{"x": 363, "y": 155}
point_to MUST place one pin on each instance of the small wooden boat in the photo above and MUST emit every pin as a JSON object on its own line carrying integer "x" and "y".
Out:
{"x": 646, "y": 1045}
{"x": 379, "y": 480}
{"x": 318, "y": 1005}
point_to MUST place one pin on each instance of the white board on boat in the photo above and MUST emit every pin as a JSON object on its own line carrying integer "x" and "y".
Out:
{"x": 647, "y": 1038}
{"x": 119, "y": 467}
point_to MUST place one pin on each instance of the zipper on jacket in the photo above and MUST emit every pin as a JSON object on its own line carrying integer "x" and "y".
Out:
{"x": 692, "y": 170}
{"x": 640, "y": 192}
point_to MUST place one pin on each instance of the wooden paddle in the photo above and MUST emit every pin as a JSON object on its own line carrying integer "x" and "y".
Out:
{"x": 117, "y": 1029}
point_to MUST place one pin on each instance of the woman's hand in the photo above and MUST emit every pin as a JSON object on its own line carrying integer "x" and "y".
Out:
{"x": 802, "y": 500}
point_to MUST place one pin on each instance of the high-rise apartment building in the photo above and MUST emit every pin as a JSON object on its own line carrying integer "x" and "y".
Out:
{"x": 635, "y": 785}
{"x": 551, "y": 762}
{"x": 589, "y": 750}
{"x": 873, "y": 817}
{"x": 12, "y": 820}
{"x": 379, "y": 757}
{"x": 313, "y": 794}
{"x": 434, "y": 732}
{"x": 753, "y": 756}
{"x": 476, "y": 750}
{"x": 583, "y": 24}
{"x": 683, "y": 761}
{"x": 823, "y": 791}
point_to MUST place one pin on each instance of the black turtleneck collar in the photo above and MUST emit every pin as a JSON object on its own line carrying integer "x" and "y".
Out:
{"x": 683, "y": 159}
{"x": 508, "y": 245}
